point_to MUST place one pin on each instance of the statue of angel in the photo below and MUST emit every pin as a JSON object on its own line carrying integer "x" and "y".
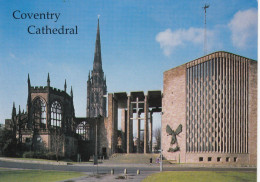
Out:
{"x": 174, "y": 138}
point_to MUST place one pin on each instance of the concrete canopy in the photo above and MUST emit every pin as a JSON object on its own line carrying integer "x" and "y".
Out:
{"x": 154, "y": 99}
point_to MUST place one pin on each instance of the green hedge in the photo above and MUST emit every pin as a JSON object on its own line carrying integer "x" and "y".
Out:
{"x": 28, "y": 154}
{"x": 41, "y": 155}
{"x": 50, "y": 156}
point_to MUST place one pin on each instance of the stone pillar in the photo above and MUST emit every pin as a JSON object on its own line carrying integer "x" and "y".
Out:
{"x": 138, "y": 133}
{"x": 252, "y": 113}
{"x": 48, "y": 118}
{"x": 146, "y": 124}
{"x": 129, "y": 146}
{"x": 114, "y": 126}
{"x": 48, "y": 114}
{"x": 110, "y": 124}
{"x": 96, "y": 138}
{"x": 151, "y": 133}
{"x": 123, "y": 128}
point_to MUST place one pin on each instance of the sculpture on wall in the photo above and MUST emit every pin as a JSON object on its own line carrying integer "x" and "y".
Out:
{"x": 174, "y": 138}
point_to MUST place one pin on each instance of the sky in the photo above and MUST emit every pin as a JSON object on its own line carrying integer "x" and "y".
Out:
{"x": 139, "y": 41}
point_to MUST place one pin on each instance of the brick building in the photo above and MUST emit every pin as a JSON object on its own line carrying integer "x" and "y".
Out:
{"x": 210, "y": 110}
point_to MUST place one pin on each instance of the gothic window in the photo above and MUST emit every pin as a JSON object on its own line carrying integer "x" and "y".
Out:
{"x": 56, "y": 114}
{"x": 39, "y": 113}
{"x": 83, "y": 130}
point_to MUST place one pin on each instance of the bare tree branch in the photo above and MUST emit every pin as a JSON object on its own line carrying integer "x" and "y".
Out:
{"x": 157, "y": 135}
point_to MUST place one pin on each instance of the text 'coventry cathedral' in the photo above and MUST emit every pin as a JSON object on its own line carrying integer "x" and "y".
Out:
{"x": 208, "y": 108}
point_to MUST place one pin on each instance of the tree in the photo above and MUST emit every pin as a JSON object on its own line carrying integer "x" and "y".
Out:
{"x": 57, "y": 142}
{"x": 157, "y": 135}
{"x": 7, "y": 142}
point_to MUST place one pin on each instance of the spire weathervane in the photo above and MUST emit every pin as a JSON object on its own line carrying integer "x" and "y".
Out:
{"x": 205, "y": 29}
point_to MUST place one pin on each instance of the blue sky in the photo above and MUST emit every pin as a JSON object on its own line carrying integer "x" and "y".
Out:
{"x": 139, "y": 41}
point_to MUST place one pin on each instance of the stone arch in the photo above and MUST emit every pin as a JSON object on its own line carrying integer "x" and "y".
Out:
{"x": 39, "y": 112}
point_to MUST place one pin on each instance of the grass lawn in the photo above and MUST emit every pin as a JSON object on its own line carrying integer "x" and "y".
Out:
{"x": 202, "y": 176}
{"x": 35, "y": 175}
{"x": 32, "y": 159}
{"x": 47, "y": 160}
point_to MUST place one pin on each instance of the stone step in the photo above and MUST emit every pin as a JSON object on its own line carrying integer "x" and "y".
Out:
{"x": 133, "y": 158}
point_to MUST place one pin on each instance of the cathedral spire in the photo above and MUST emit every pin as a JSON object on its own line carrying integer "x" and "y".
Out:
{"x": 65, "y": 86}
{"x": 28, "y": 81}
{"x": 29, "y": 88}
{"x": 96, "y": 86}
{"x": 48, "y": 80}
{"x": 19, "y": 110}
{"x": 97, "y": 57}
{"x": 28, "y": 107}
{"x": 71, "y": 92}
{"x": 13, "y": 111}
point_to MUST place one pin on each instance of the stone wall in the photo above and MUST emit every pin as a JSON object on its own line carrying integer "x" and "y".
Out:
{"x": 252, "y": 113}
{"x": 217, "y": 158}
{"x": 108, "y": 128}
{"x": 103, "y": 136}
{"x": 174, "y": 112}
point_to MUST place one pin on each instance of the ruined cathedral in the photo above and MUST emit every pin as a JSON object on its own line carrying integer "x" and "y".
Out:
{"x": 50, "y": 116}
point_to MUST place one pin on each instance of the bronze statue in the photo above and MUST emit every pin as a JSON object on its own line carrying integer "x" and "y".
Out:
{"x": 174, "y": 138}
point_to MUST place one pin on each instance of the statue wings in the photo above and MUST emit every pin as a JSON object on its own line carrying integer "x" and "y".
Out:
{"x": 173, "y": 133}
{"x": 176, "y": 132}
{"x": 169, "y": 130}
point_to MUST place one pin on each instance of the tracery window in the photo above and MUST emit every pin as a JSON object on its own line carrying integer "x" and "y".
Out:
{"x": 56, "y": 114}
{"x": 83, "y": 130}
{"x": 39, "y": 113}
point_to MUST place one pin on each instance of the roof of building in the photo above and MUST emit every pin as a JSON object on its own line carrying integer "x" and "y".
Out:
{"x": 209, "y": 56}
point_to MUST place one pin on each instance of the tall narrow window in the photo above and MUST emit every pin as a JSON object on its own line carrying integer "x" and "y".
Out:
{"x": 56, "y": 114}
{"x": 39, "y": 113}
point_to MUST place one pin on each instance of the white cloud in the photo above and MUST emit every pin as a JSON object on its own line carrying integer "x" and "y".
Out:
{"x": 12, "y": 55}
{"x": 243, "y": 27}
{"x": 169, "y": 39}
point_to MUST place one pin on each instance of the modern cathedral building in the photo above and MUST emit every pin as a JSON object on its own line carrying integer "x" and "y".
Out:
{"x": 208, "y": 107}
{"x": 211, "y": 105}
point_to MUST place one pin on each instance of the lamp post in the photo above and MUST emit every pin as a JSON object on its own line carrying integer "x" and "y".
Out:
{"x": 161, "y": 156}
{"x": 161, "y": 161}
